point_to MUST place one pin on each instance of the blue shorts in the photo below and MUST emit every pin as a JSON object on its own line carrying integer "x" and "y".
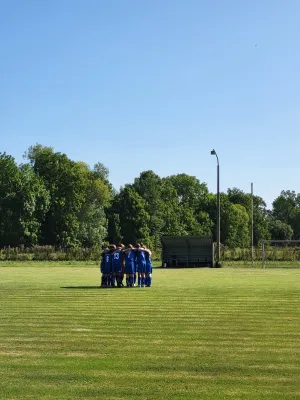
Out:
{"x": 106, "y": 269}
{"x": 117, "y": 268}
{"x": 141, "y": 268}
{"x": 148, "y": 269}
{"x": 129, "y": 269}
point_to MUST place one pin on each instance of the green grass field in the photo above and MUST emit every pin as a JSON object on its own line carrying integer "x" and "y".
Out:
{"x": 225, "y": 333}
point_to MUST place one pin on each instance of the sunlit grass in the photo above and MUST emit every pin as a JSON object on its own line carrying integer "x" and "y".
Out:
{"x": 196, "y": 334}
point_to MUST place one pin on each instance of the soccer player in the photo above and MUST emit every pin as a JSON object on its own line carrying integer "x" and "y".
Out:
{"x": 106, "y": 266}
{"x": 102, "y": 268}
{"x": 141, "y": 264}
{"x": 148, "y": 272}
{"x": 117, "y": 265}
{"x": 111, "y": 280}
{"x": 129, "y": 265}
{"x": 135, "y": 268}
{"x": 123, "y": 267}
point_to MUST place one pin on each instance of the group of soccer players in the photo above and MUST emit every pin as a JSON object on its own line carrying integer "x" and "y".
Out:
{"x": 132, "y": 261}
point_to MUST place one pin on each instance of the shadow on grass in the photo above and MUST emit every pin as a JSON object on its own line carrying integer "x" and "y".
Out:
{"x": 83, "y": 287}
{"x": 94, "y": 287}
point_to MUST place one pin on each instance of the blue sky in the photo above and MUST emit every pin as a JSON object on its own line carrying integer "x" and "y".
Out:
{"x": 156, "y": 84}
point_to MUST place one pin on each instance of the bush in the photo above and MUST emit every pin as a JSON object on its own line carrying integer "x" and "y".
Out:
{"x": 50, "y": 253}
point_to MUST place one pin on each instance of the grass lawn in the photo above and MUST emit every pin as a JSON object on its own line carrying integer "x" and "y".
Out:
{"x": 225, "y": 333}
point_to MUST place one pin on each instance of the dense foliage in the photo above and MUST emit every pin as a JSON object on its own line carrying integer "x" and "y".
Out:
{"x": 53, "y": 200}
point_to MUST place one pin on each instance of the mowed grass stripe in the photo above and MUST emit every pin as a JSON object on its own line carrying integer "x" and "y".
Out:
{"x": 209, "y": 334}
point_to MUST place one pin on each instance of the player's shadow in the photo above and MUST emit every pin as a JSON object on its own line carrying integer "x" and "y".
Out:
{"x": 81, "y": 287}
{"x": 90, "y": 287}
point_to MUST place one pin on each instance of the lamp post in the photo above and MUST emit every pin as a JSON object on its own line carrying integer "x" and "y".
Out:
{"x": 218, "y": 263}
{"x": 252, "y": 227}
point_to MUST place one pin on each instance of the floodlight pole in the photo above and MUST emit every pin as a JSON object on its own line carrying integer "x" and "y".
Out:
{"x": 252, "y": 226}
{"x": 218, "y": 263}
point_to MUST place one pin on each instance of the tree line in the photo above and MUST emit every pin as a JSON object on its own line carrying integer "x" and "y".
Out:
{"x": 53, "y": 200}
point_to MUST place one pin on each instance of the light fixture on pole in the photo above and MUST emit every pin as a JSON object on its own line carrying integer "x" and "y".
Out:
{"x": 218, "y": 261}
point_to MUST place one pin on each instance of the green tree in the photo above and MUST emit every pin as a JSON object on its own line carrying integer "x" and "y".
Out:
{"x": 236, "y": 222}
{"x": 149, "y": 186}
{"x": 114, "y": 226}
{"x": 63, "y": 180}
{"x": 192, "y": 199}
{"x": 10, "y": 205}
{"x": 280, "y": 230}
{"x": 210, "y": 210}
{"x": 91, "y": 216}
{"x": 286, "y": 208}
{"x": 260, "y": 213}
{"x": 170, "y": 210}
{"x": 191, "y": 193}
{"x": 205, "y": 224}
{"x": 134, "y": 219}
{"x": 78, "y": 198}
{"x": 35, "y": 203}
{"x": 24, "y": 202}
{"x": 101, "y": 172}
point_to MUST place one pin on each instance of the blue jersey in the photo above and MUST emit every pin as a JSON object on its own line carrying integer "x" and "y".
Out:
{"x": 130, "y": 262}
{"x": 148, "y": 259}
{"x": 141, "y": 257}
{"x": 141, "y": 261}
{"x": 130, "y": 258}
{"x": 117, "y": 261}
{"x": 148, "y": 263}
{"x": 107, "y": 259}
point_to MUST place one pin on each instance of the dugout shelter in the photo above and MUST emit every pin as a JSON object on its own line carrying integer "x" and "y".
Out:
{"x": 187, "y": 251}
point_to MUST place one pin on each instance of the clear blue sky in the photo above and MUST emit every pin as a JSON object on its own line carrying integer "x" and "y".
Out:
{"x": 156, "y": 84}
